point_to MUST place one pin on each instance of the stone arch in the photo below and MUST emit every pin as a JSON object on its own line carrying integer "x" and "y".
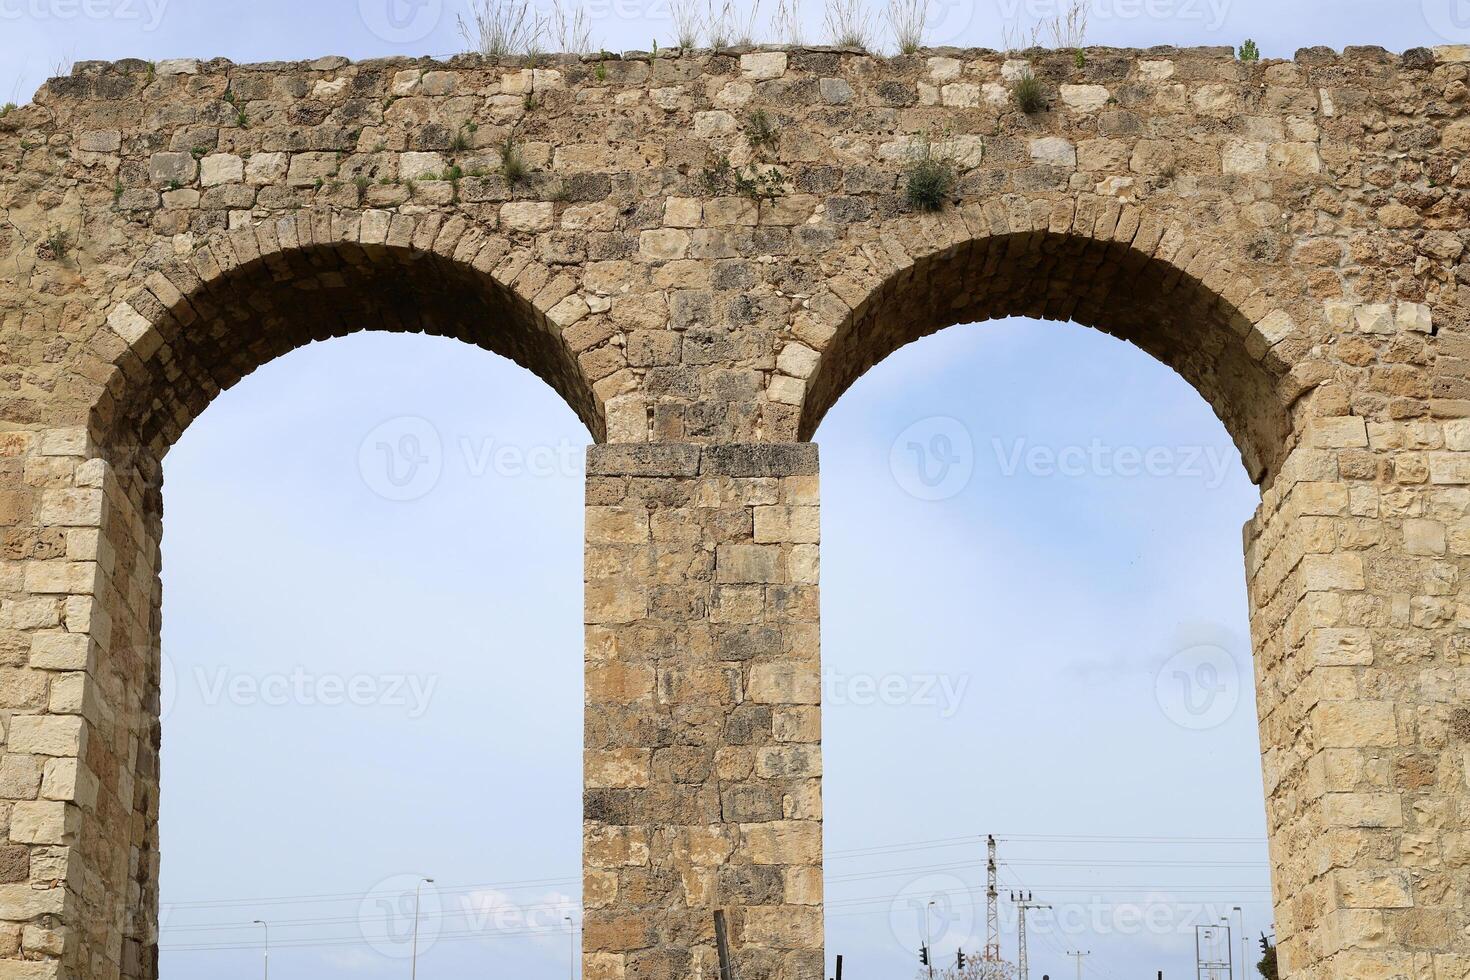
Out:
{"x": 192, "y": 328}
{"x": 196, "y": 326}
{"x": 1102, "y": 265}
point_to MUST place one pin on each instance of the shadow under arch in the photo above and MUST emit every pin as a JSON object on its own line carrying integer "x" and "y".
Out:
{"x": 1113, "y": 286}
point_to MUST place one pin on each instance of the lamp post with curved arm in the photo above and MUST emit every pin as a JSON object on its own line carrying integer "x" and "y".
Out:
{"x": 417, "y": 890}
{"x": 266, "y": 926}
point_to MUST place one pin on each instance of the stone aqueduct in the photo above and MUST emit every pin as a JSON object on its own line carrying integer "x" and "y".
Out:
{"x": 1289, "y": 236}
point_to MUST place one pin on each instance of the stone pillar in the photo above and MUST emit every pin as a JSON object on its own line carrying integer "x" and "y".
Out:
{"x": 79, "y": 698}
{"x": 1355, "y": 561}
{"x": 703, "y": 734}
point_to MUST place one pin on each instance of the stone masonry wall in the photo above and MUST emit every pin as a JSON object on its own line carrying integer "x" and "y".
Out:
{"x": 703, "y": 752}
{"x": 704, "y": 251}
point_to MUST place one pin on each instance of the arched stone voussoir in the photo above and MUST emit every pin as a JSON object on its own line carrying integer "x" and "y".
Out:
{"x": 192, "y": 327}
{"x": 1144, "y": 278}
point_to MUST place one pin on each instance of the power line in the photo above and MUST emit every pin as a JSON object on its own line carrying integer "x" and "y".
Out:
{"x": 843, "y": 854}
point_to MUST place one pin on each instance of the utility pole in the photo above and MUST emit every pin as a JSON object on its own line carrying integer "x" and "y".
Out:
{"x": 928, "y": 947}
{"x": 266, "y": 926}
{"x": 1024, "y": 903}
{"x": 1078, "y": 957}
{"x": 1244, "y": 961}
{"x": 417, "y": 890}
{"x": 992, "y": 904}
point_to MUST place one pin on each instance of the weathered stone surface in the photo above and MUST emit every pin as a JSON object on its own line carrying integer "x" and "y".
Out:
{"x": 1287, "y": 236}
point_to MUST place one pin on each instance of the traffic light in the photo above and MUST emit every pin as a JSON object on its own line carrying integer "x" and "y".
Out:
{"x": 959, "y": 956}
{"x": 1265, "y": 944}
{"x": 924, "y": 955}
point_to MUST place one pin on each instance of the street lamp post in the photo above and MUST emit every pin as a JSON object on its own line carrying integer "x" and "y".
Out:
{"x": 927, "y": 940}
{"x": 1244, "y": 962}
{"x": 417, "y": 889}
{"x": 571, "y": 947}
{"x": 266, "y": 927}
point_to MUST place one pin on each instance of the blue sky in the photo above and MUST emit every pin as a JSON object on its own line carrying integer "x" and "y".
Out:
{"x": 1037, "y": 641}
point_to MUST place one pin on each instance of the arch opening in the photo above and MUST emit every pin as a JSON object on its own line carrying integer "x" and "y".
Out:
{"x": 350, "y": 693}
{"x": 191, "y": 333}
{"x": 1112, "y": 286}
{"x": 1014, "y": 676}
{"x": 210, "y": 328}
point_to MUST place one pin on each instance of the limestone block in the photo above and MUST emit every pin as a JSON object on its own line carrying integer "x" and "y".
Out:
{"x": 528, "y": 216}
{"x": 763, "y": 64}
{"x": 221, "y": 168}
{"x": 42, "y": 822}
{"x": 51, "y": 735}
{"x": 1054, "y": 151}
{"x": 1085, "y": 98}
{"x": 172, "y": 168}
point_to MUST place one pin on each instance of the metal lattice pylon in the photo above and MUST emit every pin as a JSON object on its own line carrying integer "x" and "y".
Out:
{"x": 992, "y": 904}
{"x": 1024, "y": 903}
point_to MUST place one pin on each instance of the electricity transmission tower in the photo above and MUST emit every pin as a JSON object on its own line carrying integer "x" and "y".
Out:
{"x": 992, "y": 904}
{"x": 1024, "y": 903}
{"x": 1078, "y": 956}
